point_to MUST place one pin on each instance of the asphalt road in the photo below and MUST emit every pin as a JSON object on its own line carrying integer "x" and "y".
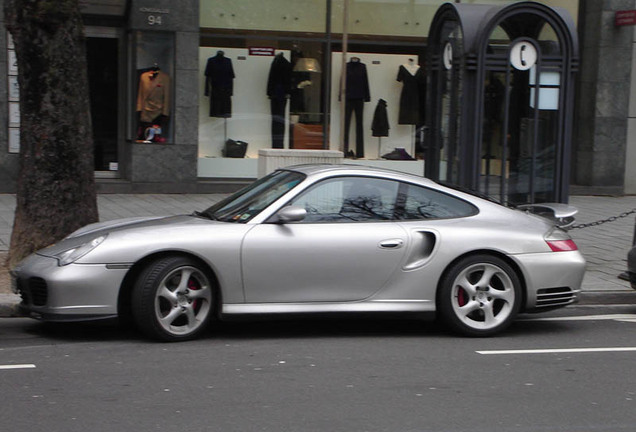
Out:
{"x": 570, "y": 370}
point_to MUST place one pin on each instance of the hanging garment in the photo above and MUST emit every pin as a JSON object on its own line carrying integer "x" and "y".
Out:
{"x": 410, "y": 101}
{"x": 380, "y": 123}
{"x": 356, "y": 94}
{"x": 219, "y": 85}
{"x": 357, "y": 81}
{"x": 357, "y": 106}
{"x": 279, "y": 78}
{"x": 277, "y": 107}
{"x": 278, "y": 90}
{"x": 153, "y": 96}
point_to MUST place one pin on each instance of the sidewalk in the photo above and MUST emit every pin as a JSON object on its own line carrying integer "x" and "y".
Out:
{"x": 605, "y": 246}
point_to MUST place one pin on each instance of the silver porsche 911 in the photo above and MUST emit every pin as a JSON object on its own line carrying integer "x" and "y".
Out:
{"x": 312, "y": 239}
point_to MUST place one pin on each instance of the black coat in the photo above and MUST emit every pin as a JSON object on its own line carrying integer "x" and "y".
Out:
{"x": 279, "y": 79}
{"x": 219, "y": 73}
{"x": 219, "y": 85}
{"x": 380, "y": 123}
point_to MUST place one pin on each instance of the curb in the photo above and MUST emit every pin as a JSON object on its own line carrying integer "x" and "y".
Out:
{"x": 9, "y": 302}
{"x": 9, "y": 306}
{"x": 625, "y": 298}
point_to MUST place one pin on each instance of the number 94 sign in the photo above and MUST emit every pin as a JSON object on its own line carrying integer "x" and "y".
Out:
{"x": 154, "y": 20}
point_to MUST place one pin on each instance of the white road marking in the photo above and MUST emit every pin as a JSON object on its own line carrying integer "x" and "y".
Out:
{"x": 17, "y": 366}
{"x": 557, "y": 351}
{"x": 616, "y": 317}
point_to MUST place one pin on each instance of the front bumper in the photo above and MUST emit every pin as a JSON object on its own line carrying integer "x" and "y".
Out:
{"x": 76, "y": 292}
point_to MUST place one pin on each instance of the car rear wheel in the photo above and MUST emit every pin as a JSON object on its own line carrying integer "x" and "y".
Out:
{"x": 480, "y": 295}
{"x": 173, "y": 299}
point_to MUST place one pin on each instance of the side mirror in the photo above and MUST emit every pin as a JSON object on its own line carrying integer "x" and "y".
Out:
{"x": 291, "y": 214}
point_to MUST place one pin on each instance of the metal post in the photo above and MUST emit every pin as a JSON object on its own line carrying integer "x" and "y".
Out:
{"x": 327, "y": 82}
{"x": 343, "y": 72}
{"x": 625, "y": 274}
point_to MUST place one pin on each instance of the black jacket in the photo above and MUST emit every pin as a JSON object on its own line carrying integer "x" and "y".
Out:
{"x": 279, "y": 79}
{"x": 219, "y": 73}
{"x": 357, "y": 81}
{"x": 380, "y": 123}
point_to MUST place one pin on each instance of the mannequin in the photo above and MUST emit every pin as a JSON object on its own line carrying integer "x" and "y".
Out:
{"x": 411, "y": 66}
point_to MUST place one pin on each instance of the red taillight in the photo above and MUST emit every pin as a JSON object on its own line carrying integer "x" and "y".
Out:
{"x": 562, "y": 245}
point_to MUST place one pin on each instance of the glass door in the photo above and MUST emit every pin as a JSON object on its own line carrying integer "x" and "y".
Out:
{"x": 103, "y": 61}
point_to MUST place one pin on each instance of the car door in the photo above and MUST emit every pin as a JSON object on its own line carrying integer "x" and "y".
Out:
{"x": 346, "y": 249}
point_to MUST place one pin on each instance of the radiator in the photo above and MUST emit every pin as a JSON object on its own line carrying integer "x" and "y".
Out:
{"x": 271, "y": 159}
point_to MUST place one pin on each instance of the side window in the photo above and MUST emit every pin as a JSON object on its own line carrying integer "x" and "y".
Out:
{"x": 349, "y": 199}
{"x": 415, "y": 202}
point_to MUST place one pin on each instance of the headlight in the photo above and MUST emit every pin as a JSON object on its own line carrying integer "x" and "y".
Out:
{"x": 71, "y": 255}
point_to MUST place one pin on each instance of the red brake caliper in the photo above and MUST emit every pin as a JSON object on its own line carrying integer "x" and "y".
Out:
{"x": 461, "y": 297}
{"x": 192, "y": 285}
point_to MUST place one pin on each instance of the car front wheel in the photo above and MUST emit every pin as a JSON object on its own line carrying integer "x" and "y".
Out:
{"x": 173, "y": 299}
{"x": 480, "y": 295}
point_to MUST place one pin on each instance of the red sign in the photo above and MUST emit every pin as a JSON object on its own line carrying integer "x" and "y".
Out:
{"x": 625, "y": 18}
{"x": 261, "y": 51}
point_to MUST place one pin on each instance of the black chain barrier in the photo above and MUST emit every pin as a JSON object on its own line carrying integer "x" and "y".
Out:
{"x": 602, "y": 221}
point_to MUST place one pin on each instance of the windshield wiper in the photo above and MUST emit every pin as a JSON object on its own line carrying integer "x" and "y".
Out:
{"x": 205, "y": 215}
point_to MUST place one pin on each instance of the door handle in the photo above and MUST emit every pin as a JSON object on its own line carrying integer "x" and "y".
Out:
{"x": 391, "y": 244}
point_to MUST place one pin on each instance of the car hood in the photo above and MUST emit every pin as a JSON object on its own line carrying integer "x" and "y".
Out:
{"x": 114, "y": 224}
{"x": 147, "y": 224}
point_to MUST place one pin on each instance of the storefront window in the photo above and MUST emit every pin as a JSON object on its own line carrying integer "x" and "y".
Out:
{"x": 154, "y": 88}
{"x": 269, "y": 94}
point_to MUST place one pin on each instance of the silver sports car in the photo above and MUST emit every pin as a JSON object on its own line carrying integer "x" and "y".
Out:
{"x": 312, "y": 239}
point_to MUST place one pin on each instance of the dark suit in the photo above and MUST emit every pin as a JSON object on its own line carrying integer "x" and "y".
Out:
{"x": 278, "y": 90}
{"x": 356, "y": 94}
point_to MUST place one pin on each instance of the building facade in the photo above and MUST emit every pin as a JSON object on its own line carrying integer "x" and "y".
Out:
{"x": 180, "y": 88}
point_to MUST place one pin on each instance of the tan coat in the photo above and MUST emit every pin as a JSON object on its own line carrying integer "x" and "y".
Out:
{"x": 153, "y": 98}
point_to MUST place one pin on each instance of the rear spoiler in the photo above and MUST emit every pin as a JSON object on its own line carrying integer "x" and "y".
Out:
{"x": 561, "y": 214}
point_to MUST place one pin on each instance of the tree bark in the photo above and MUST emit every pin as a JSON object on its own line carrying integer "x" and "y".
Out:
{"x": 56, "y": 186}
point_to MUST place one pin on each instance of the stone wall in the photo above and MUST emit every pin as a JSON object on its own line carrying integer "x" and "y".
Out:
{"x": 603, "y": 97}
{"x": 173, "y": 165}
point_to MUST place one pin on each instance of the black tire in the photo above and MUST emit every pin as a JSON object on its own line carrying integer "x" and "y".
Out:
{"x": 173, "y": 299}
{"x": 480, "y": 295}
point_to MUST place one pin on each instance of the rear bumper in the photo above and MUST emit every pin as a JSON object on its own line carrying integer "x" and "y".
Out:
{"x": 552, "y": 279}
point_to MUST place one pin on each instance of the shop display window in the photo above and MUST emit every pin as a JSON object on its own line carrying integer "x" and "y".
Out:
{"x": 268, "y": 95}
{"x": 154, "y": 90}
{"x": 384, "y": 105}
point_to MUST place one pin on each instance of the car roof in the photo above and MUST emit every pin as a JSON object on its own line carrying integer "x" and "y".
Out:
{"x": 318, "y": 169}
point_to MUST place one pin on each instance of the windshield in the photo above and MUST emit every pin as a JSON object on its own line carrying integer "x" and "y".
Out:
{"x": 250, "y": 201}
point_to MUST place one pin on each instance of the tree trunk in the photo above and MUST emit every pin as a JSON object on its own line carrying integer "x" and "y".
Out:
{"x": 56, "y": 186}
